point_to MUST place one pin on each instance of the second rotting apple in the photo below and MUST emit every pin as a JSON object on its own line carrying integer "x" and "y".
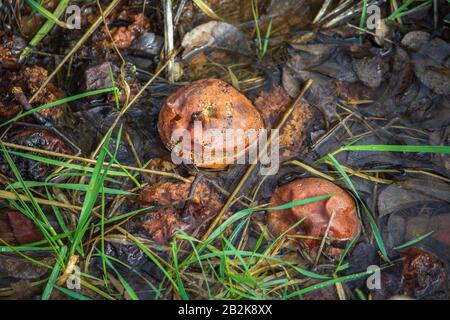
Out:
{"x": 316, "y": 216}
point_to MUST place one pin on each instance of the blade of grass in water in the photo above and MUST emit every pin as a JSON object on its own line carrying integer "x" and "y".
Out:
{"x": 71, "y": 293}
{"x": 403, "y": 9}
{"x": 57, "y": 103}
{"x": 58, "y": 163}
{"x": 47, "y": 14}
{"x": 44, "y": 225}
{"x": 52, "y": 18}
{"x": 372, "y": 222}
{"x": 344, "y": 254}
{"x": 68, "y": 186}
{"x": 266, "y": 39}
{"x": 362, "y": 21}
{"x": 95, "y": 186}
{"x": 399, "y": 148}
{"x": 243, "y": 213}
{"x": 24, "y": 248}
{"x": 414, "y": 241}
{"x": 132, "y": 294}
{"x": 53, "y": 276}
{"x": 176, "y": 270}
{"x": 183, "y": 235}
{"x": 58, "y": 216}
{"x": 329, "y": 283}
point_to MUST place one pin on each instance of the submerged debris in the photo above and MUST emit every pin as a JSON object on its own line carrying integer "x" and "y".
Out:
{"x": 38, "y": 139}
{"x": 29, "y": 80}
{"x": 423, "y": 273}
{"x": 10, "y": 48}
{"x": 271, "y": 105}
{"x": 185, "y": 206}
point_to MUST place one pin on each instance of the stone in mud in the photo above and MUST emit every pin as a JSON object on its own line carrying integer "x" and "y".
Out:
{"x": 414, "y": 40}
{"x": 344, "y": 227}
{"x": 99, "y": 77}
{"x": 431, "y": 65}
{"x": 272, "y": 105}
{"x": 321, "y": 94}
{"x": 148, "y": 43}
{"x": 434, "y": 77}
{"x": 194, "y": 111}
{"x": 423, "y": 273}
{"x": 19, "y": 268}
{"x": 370, "y": 70}
{"x": 352, "y": 92}
{"x": 162, "y": 224}
{"x": 215, "y": 34}
{"x": 38, "y": 139}
{"x": 310, "y": 55}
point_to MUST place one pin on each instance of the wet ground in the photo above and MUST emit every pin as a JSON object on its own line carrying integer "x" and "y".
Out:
{"x": 390, "y": 87}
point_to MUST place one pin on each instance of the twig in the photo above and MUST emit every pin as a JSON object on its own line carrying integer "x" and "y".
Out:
{"x": 179, "y": 11}
{"x": 168, "y": 35}
{"x": 324, "y": 239}
{"x": 22, "y": 99}
{"x": 322, "y": 11}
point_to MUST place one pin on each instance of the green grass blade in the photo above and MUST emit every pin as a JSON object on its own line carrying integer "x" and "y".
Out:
{"x": 414, "y": 241}
{"x": 362, "y": 21}
{"x": 329, "y": 283}
{"x": 57, "y": 103}
{"x": 71, "y": 293}
{"x": 95, "y": 185}
{"x": 372, "y": 222}
{"x": 176, "y": 270}
{"x": 52, "y": 18}
{"x": 54, "y": 275}
{"x": 58, "y": 163}
{"x": 47, "y": 14}
{"x": 398, "y": 148}
{"x": 68, "y": 186}
{"x": 122, "y": 280}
